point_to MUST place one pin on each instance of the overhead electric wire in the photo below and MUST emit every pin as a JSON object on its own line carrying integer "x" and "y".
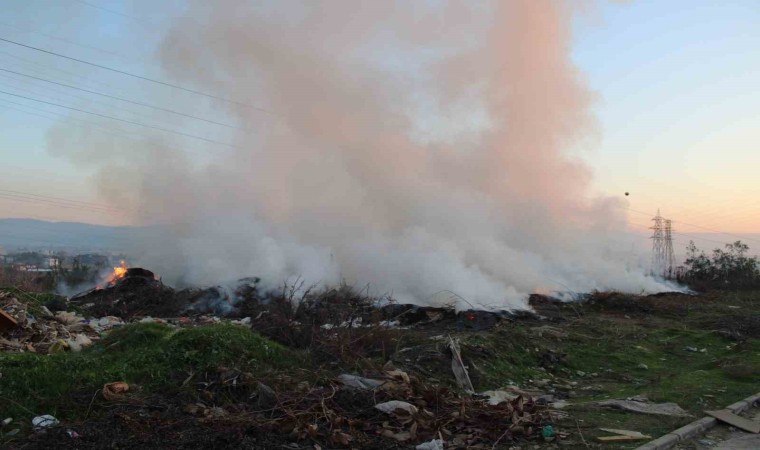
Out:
{"x": 695, "y": 226}
{"x": 121, "y": 99}
{"x": 46, "y": 67}
{"x": 164, "y": 83}
{"x": 91, "y": 103}
{"x": 50, "y": 36}
{"x": 57, "y": 202}
{"x": 167, "y": 130}
{"x": 693, "y": 237}
{"x": 97, "y": 205}
{"x": 103, "y": 129}
{"x": 43, "y": 68}
{"x": 53, "y": 203}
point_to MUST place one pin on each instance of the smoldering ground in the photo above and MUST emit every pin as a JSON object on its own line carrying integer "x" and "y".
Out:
{"x": 429, "y": 149}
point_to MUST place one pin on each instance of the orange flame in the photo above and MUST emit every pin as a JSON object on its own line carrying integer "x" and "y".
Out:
{"x": 117, "y": 274}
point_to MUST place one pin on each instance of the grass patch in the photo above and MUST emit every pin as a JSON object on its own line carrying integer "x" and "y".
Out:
{"x": 512, "y": 356}
{"x": 146, "y": 355}
{"x": 613, "y": 354}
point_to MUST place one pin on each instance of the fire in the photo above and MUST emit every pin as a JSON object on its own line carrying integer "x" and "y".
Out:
{"x": 117, "y": 274}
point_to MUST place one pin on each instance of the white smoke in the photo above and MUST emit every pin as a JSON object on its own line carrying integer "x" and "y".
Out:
{"x": 424, "y": 148}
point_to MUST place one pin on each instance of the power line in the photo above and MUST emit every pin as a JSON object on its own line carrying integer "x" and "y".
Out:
{"x": 137, "y": 76}
{"x": 56, "y": 69}
{"x": 114, "y": 132}
{"x": 167, "y": 130}
{"x": 697, "y": 226}
{"x": 56, "y": 202}
{"x": 50, "y": 36}
{"x": 122, "y": 99}
{"x": 64, "y": 205}
{"x": 91, "y": 103}
{"x": 92, "y": 204}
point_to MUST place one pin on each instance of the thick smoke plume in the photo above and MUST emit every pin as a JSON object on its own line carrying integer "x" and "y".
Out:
{"x": 425, "y": 149}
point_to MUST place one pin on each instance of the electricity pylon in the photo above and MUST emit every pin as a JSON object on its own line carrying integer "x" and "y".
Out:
{"x": 669, "y": 258}
{"x": 663, "y": 258}
{"x": 658, "y": 248}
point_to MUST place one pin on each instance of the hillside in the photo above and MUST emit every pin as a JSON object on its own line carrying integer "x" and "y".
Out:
{"x": 39, "y": 234}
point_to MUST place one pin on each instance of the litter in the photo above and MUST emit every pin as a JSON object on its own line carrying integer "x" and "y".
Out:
{"x": 730, "y": 418}
{"x": 435, "y": 444}
{"x": 358, "y": 382}
{"x": 622, "y": 435}
{"x": 79, "y": 342}
{"x": 393, "y": 405}
{"x": 7, "y": 322}
{"x": 496, "y": 397}
{"x": 66, "y": 318}
{"x": 114, "y": 391}
{"x": 458, "y": 367}
{"x": 660, "y": 409}
{"x": 44, "y": 421}
{"x": 399, "y": 375}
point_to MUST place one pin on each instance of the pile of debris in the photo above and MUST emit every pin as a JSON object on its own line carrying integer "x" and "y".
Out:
{"x": 46, "y": 332}
{"x": 353, "y": 411}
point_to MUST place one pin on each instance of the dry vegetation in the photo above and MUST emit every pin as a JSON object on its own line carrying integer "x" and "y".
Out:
{"x": 196, "y": 384}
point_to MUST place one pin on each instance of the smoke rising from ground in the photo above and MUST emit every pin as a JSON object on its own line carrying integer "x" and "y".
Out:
{"x": 425, "y": 149}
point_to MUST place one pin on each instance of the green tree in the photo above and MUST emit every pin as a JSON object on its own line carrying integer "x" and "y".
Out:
{"x": 727, "y": 267}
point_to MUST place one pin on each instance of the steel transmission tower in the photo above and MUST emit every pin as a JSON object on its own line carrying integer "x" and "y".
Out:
{"x": 658, "y": 246}
{"x": 670, "y": 258}
{"x": 663, "y": 258}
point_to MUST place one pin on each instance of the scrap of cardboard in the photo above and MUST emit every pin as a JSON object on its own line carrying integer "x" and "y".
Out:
{"x": 730, "y": 418}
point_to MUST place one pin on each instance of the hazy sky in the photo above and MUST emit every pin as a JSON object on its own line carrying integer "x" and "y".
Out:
{"x": 677, "y": 86}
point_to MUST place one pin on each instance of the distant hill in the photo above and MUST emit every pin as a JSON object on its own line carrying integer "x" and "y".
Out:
{"x": 18, "y": 234}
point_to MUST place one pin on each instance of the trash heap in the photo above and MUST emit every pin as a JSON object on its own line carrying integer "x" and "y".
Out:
{"x": 351, "y": 410}
{"x": 44, "y": 331}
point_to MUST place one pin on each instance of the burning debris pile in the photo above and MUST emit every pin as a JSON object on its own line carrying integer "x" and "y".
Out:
{"x": 128, "y": 292}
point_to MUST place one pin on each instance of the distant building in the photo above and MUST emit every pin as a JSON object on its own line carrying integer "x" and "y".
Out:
{"x": 92, "y": 260}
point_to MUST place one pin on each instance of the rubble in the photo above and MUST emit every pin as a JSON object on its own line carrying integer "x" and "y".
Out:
{"x": 48, "y": 334}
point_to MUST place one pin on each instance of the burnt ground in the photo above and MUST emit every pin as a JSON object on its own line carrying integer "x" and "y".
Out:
{"x": 698, "y": 351}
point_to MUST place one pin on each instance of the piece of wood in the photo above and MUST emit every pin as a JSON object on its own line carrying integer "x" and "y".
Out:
{"x": 730, "y": 418}
{"x": 620, "y": 438}
{"x": 630, "y": 433}
{"x": 458, "y": 367}
{"x": 6, "y": 321}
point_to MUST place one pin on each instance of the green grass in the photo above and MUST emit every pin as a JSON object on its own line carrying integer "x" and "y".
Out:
{"x": 609, "y": 348}
{"x": 511, "y": 358}
{"x": 150, "y": 356}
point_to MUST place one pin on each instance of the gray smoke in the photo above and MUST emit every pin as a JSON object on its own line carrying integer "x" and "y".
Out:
{"x": 428, "y": 149}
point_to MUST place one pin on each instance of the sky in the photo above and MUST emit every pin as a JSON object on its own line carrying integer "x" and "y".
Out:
{"x": 676, "y": 90}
